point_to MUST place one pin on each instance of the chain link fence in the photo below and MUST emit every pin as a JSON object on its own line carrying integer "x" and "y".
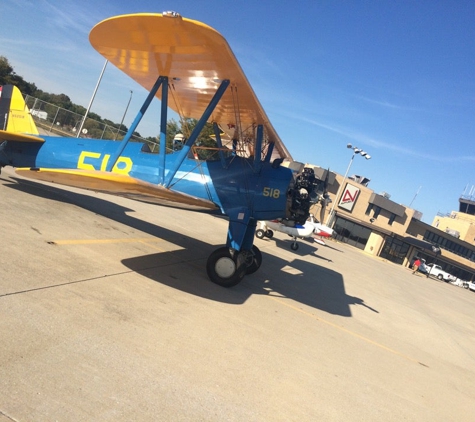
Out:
{"x": 59, "y": 121}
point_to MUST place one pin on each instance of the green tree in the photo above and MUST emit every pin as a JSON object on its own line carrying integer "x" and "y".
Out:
{"x": 6, "y": 71}
{"x": 9, "y": 77}
{"x": 205, "y": 144}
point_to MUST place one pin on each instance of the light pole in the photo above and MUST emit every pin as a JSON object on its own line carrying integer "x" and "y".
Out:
{"x": 123, "y": 117}
{"x": 356, "y": 150}
{"x": 92, "y": 99}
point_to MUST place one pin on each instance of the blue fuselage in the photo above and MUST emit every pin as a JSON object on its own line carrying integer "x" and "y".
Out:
{"x": 233, "y": 185}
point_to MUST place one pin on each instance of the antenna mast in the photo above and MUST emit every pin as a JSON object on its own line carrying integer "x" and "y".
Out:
{"x": 415, "y": 196}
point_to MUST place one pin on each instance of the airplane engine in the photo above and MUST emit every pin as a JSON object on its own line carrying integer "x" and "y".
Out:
{"x": 301, "y": 196}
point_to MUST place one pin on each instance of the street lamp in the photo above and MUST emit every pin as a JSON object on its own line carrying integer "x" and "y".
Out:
{"x": 356, "y": 150}
{"x": 123, "y": 117}
{"x": 92, "y": 99}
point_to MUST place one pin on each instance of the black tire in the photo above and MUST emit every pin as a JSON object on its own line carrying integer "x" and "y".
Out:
{"x": 269, "y": 234}
{"x": 294, "y": 246}
{"x": 224, "y": 269}
{"x": 260, "y": 234}
{"x": 440, "y": 277}
{"x": 256, "y": 260}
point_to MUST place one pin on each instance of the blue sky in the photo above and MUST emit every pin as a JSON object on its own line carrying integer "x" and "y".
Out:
{"x": 395, "y": 78}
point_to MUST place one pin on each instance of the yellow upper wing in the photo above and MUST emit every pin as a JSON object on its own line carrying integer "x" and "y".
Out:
{"x": 195, "y": 58}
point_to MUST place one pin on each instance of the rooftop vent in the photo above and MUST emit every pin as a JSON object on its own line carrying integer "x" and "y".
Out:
{"x": 452, "y": 232}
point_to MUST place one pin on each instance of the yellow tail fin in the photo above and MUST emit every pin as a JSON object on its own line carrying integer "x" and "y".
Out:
{"x": 14, "y": 113}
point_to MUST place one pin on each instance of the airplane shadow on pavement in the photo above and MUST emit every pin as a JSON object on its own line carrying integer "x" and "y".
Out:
{"x": 305, "y": 248}
{"x": 185, "y": 269}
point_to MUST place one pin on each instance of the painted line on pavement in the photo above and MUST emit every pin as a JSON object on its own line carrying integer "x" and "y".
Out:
{"x": 103, "y": 241}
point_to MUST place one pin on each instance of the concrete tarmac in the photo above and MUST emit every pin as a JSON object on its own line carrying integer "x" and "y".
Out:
{"x": 107, "y": 314}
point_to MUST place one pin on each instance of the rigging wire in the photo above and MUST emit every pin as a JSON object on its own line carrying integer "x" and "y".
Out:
{"x": 186, "y": 128}
{"x": 241, "y": 143}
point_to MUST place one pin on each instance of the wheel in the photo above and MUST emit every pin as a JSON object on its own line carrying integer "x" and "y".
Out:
{"x": 260, "y": 234}
{"x": 269, "y": 234}
{"x": 254, "y": 260}
{"x": 294, "y": 246}
{"x": 440, "y": 277}
{"x": 226, "y": 269}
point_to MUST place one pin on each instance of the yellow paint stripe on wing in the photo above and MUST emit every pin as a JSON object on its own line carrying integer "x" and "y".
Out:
{"x": 117, "y": 184}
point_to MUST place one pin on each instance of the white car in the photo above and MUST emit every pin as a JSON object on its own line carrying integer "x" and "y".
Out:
{"x": 438, "y": 272}
{"x": 460, "y": 283}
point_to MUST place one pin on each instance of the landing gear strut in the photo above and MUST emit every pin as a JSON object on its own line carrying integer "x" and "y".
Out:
{"x": 294, "y": 245}
{"x": 227, "y": 267}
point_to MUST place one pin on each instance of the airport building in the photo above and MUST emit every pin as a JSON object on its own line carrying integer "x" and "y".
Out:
{"x": 381, "y": 227}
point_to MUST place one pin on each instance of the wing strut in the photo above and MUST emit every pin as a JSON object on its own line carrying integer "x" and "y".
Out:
{"x": 258, "y": 147}
{"x": 270, "y": 150}
{"x": 196, "y": 131}
{"x": 136, "y": 122}
{"x": 163, "y": 130}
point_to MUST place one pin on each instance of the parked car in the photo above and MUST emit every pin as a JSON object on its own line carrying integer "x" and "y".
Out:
{"x": 423, "y": 267}
{"x": 460, "y": 283}
{"x": 437, "y": 271}
{"x": 471, "y": 286}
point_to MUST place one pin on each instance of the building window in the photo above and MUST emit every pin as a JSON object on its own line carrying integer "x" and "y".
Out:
{"x": 351, "y": 233}
{"x": 394, "y": 250}
{"x": 377, "y": 210}
{"x": 447, "y": 244}
{"x": 391, "y": 219}
{"x": 368, "y": 210}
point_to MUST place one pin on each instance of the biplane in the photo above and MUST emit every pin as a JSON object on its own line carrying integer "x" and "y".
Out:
{"x": 190, "y": 68}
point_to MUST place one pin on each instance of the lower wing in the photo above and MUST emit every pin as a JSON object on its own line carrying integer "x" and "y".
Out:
{"x": 118, "y": 184}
